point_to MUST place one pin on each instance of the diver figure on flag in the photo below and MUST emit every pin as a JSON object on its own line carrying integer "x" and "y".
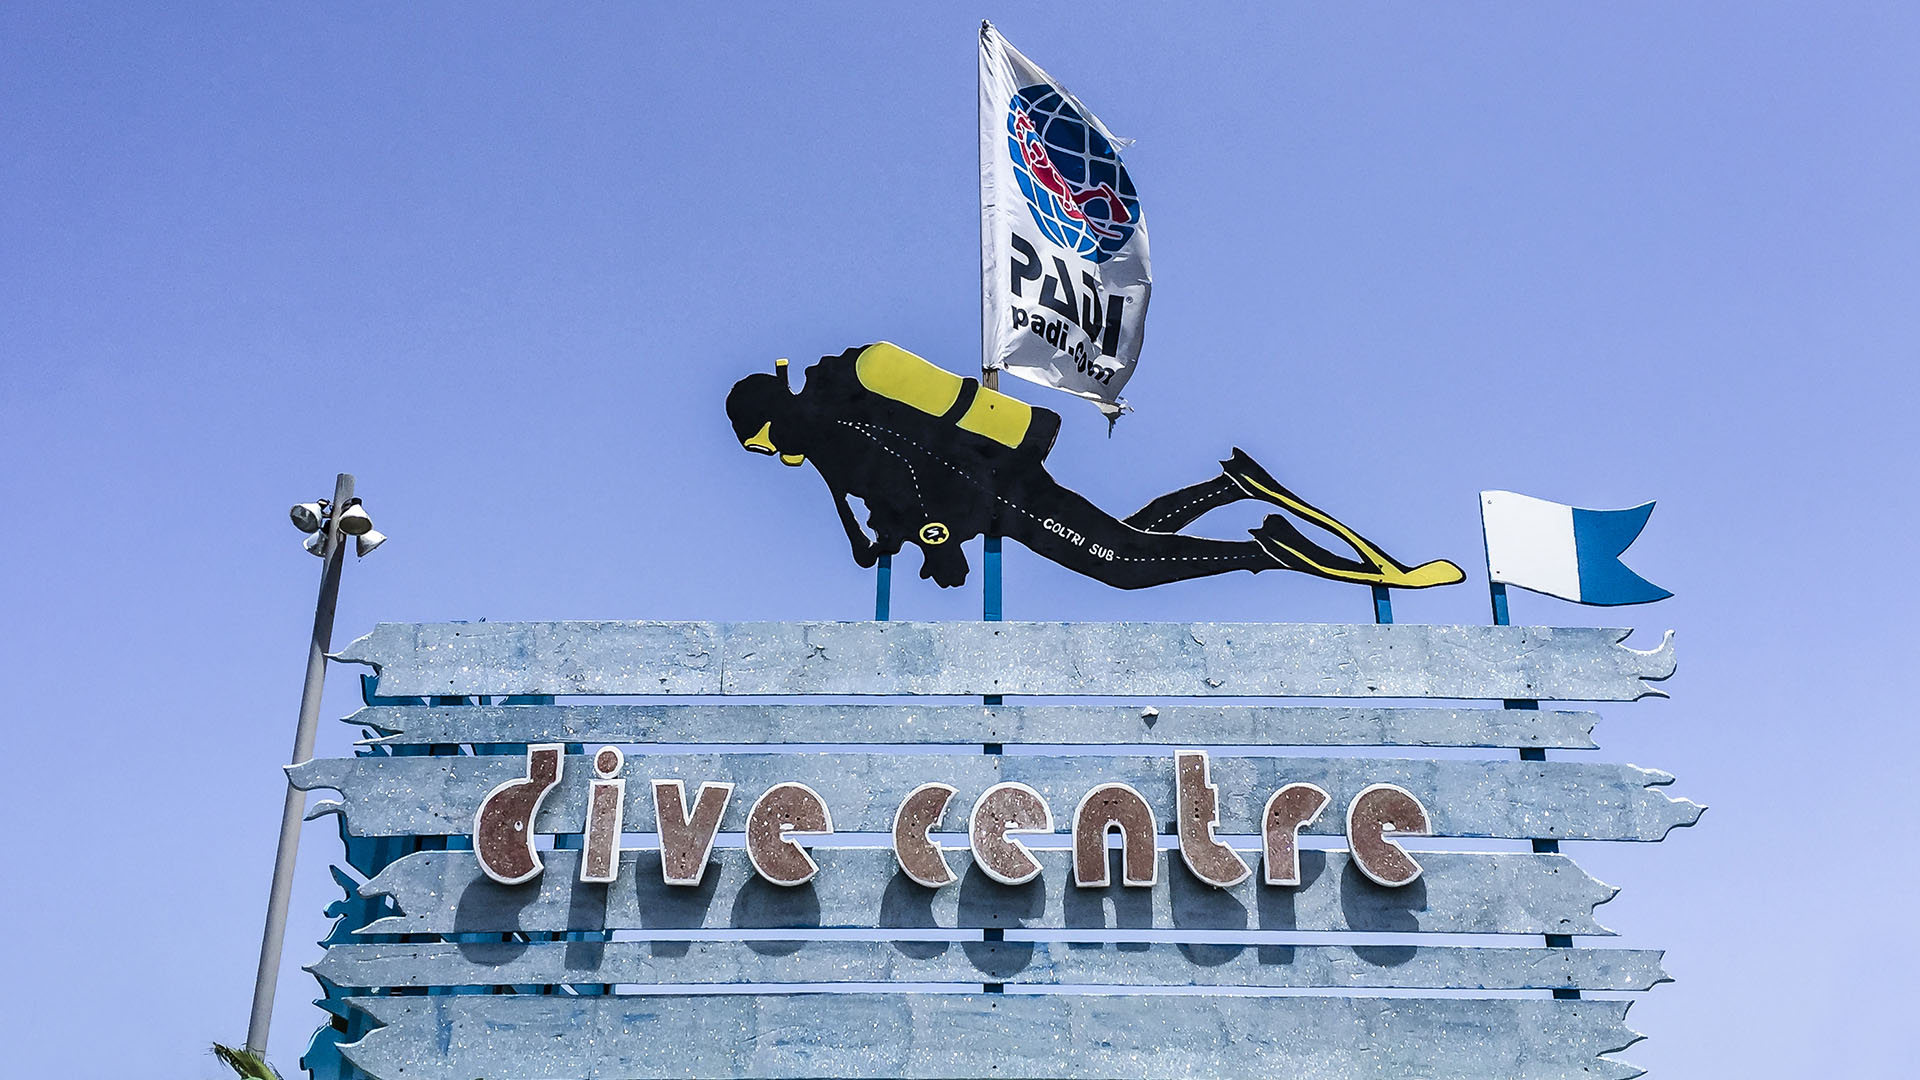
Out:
{"x": 939, "y": 459}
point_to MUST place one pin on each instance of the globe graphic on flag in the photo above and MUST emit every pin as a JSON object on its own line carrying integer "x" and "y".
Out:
{"x": 1074, "y": 181}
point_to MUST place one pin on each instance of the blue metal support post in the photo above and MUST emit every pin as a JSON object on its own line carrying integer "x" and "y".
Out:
{"x": 1501, "y": 617}
{"x": 1382, "y": 605}
{"x": 990, "y": 610}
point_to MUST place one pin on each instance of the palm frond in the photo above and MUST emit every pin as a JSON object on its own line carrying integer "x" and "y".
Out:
{"x": 248, "y": 1064}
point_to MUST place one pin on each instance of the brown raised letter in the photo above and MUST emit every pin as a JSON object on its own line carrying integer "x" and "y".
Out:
{"x": 1210, "y": 860}
{"x": 1005, "y": 808}
{"x": 1374, "y": 814}
{"x": 606, "y": 806}
{"x": 503, "y": 826}
{"x": 1289, "y": 810}
{"x": 919, "y": 856}
{"x": 686, "y": 839}
{"x": 1106, "y": 807}
{"x": 786, "y": 811}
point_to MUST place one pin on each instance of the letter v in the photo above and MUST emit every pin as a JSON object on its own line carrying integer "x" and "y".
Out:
{"x": 686, "y": 839}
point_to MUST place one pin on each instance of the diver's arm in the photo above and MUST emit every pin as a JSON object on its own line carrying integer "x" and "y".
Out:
{"x": 863, "y": 550}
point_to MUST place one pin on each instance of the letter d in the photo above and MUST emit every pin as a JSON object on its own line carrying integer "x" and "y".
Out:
{"x": 503, "y": 826}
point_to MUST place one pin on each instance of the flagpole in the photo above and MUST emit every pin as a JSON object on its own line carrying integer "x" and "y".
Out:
{"x": 989, "y": 375}
{"x": 990, "y": 379}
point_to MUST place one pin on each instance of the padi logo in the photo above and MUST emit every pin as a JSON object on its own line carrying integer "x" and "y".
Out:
{"x": 1088, "y": 316}
{"x": 1076, "y": 186}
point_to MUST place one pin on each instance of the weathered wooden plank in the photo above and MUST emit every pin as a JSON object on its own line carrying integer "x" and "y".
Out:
{"x": 1026, "y": 963}
{"x": 444, "y": 892}
{"x": 1135, "y": 1036}
{"x": 1184, "y": 725}
{"x": 1563, "y": 800}
{"x": 1086, "y": 659}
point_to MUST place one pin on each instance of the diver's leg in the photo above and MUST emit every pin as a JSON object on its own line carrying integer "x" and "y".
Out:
{"x": 1063, "y": 526}
{"x": 1240, "y": 478}
{"x": 1178, "y": 509}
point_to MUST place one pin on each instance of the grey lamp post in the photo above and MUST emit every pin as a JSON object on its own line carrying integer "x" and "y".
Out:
{"x": 329, "y": 524}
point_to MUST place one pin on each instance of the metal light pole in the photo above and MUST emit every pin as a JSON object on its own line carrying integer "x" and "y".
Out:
{"x": 333, "y": 549}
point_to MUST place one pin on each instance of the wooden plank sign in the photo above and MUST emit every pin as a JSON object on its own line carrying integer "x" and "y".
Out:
{"x": 1049, "y": 659}
{"x": 1156, "y": 886}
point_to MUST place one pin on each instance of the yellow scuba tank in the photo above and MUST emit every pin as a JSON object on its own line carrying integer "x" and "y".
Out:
{"x": 898, "y": 375}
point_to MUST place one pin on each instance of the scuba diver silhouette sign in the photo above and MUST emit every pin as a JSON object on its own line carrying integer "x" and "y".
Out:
{"x": 939, "y": 459}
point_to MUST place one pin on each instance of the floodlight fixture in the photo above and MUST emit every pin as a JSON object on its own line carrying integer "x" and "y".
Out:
{"x": 316, "y": 544}
{"x": 364, "y": 544}
{"x": 354, "y": 520}
{"x": 309, "y": 517}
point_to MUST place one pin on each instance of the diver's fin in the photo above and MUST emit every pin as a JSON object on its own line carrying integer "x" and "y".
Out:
{"x": 1426, "y": 575}
{"x": 1260, "y": 484}
{"x": 1285, "y": 544}
{"x": 1279, "y": 534}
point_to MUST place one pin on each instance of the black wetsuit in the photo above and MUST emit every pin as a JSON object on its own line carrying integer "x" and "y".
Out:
{"x": 928, "y": 482}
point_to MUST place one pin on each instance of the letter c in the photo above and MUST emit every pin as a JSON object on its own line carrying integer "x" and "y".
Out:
{"x": 1003, "y": 809}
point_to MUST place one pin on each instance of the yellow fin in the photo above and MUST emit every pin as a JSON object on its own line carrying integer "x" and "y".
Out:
{"x": 1425, "y": 576}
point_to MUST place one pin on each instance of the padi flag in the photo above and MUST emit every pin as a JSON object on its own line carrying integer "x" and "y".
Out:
{"x": 1063, "y": 256}
{"x": 1565, "y": 551}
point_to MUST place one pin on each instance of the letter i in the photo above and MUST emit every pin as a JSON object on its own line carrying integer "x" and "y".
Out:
{"x": 606, "y": 804}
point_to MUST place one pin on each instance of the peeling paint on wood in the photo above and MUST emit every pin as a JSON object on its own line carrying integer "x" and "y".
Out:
{"x": 1023, "y": 963}
{"x": 1136, "y": 1037}
{"x": 443, "y": 892}
{"x": 1084, "y": 659}
{"x": 1164, "y": 725}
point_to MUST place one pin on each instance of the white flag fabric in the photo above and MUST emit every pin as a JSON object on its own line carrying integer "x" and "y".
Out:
{"x": 1565, "y": 551}
{"x": 1063, "y": 261}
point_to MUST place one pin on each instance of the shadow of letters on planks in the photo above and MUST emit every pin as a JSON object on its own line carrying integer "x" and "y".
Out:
{"x": 939, "y": 459}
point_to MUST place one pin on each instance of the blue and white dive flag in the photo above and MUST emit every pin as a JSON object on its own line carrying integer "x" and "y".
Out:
{"x": 1564, "y": 551}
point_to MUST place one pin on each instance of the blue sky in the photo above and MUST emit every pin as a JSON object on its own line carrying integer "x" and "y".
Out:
{"x": 503, "y": 264}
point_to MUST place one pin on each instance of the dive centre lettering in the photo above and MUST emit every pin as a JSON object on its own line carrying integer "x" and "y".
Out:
{"x": 786, "y": 813}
